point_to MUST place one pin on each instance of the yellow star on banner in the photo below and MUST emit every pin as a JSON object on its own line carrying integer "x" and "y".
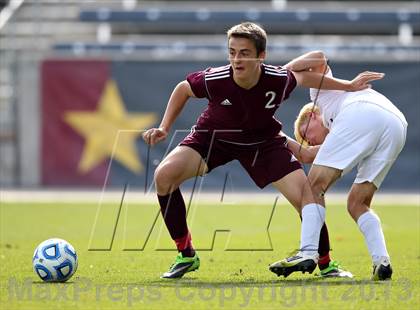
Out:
{"x": 110, "y": 131}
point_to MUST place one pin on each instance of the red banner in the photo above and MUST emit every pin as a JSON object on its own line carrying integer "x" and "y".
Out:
{"x": 69, "y": 86}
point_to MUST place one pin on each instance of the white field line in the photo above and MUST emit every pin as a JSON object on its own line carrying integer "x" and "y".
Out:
{"x": 94, "y": 196}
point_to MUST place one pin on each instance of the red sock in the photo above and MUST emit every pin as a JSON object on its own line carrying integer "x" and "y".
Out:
{"x": 184, "y": 242}
{"x": 324, "y": 261}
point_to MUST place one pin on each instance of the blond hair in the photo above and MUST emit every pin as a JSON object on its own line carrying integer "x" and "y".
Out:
{"x": 302, "y": 119}
{"x": 250, "y": 31}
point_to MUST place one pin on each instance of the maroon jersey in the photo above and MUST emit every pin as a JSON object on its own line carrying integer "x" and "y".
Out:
{"x": 247, "y": 113}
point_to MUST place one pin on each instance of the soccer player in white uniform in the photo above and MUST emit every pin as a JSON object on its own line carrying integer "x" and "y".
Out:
{"x": 342, "y": 130}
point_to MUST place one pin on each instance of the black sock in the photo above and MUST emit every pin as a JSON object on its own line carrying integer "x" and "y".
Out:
{"x": 173, "y": 210}
{"x": 188, "y": 252}
{"x": 324, "y": 247}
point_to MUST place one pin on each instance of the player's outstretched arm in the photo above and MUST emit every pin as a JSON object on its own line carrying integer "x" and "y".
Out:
{"x": 176, "y": 103}
{"x": 312, "y": 61}
{"x": 318, "y": 80}
{"x": 310, "y": 68}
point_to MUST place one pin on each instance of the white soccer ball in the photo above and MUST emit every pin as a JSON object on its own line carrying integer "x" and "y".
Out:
{"x": 55, "y": 260}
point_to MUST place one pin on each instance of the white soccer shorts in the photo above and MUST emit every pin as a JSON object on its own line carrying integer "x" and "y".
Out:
{"x": 367, "y": 135}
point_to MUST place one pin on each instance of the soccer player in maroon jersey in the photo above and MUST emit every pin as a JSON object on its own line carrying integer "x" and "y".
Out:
{"x": 238, "y": 123}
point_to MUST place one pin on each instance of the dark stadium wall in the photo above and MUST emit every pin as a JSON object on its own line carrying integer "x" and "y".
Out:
{"x": 144, "y": 88}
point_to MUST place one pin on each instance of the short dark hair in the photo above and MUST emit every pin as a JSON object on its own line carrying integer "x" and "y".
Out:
{"x": 251, "y": 31}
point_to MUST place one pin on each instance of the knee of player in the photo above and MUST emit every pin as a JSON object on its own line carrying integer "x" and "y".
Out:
{"x": 162, "y": 175}
{"x": 165, "y": 174}
{"x": 318, "y": 186}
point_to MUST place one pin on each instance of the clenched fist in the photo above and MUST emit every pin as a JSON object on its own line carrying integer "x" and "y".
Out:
{"x": 153, "y": 136}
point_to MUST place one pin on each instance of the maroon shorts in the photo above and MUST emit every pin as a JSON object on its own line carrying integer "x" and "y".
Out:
{"x": 265, "y": 162}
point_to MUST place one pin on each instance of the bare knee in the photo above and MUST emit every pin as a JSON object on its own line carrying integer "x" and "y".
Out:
{"x": 166, "y": 179}
{"x": 319, "y": 186}
{"x": 320, "y": 179}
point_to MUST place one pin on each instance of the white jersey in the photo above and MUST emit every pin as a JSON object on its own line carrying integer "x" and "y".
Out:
{"x": 366, "y": 130}
{"x": 332, "y": 102}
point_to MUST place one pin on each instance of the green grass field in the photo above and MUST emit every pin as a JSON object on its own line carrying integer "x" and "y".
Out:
{"x": 233, "y": 273}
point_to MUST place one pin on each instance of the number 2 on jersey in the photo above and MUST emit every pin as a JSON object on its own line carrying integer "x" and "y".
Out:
{"x": 270, "y": 103}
